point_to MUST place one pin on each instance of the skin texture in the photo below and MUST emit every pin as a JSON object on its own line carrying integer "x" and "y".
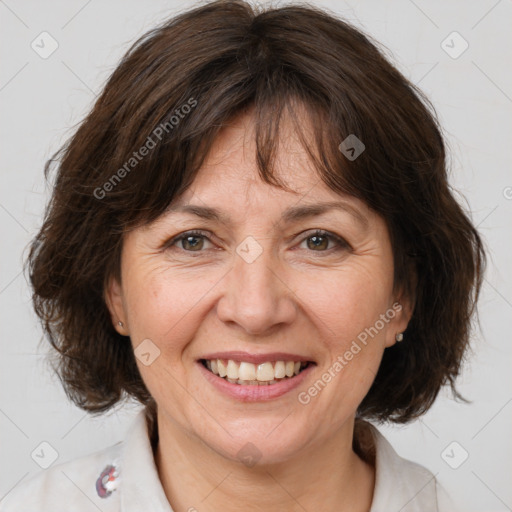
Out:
{"x": 293, "y": 298}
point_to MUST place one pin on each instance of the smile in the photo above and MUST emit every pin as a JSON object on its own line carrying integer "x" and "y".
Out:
{"x": 262, "y": 374}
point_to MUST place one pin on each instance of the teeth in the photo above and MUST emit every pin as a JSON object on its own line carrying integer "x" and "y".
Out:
{"x": 232, "y": 370}
{"x": 245, "y": 373}
{"x": 280, "y": 370}
{"x": 265, "y": 372}
{"x": 221, "y": 367}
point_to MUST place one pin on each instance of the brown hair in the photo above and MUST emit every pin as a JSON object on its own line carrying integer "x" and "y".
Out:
{"x": 177, "y": 86}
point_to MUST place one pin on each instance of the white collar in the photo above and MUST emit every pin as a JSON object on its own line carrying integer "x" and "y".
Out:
{"x": 141, "y": 486}
{"x": 400, "y": 484}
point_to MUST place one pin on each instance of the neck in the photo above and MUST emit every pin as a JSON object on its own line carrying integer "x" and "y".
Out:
{"x": 194, "y": 477}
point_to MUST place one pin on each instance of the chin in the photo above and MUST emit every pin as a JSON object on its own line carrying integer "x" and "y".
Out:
{"x": 266, "y": 443}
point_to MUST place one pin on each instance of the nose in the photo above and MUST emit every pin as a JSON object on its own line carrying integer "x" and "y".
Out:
{"x": 256, "y": 297}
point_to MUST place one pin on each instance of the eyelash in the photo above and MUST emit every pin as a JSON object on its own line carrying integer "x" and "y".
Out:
{"x": 341, "y": 242}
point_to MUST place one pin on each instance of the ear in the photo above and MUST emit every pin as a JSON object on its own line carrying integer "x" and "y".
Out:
{"x": 113, "y": 295}
{"x": 403, "y": 306}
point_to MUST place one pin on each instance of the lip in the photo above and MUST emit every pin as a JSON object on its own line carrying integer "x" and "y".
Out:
{"x": 240, "y": 356}
{"x": 254, "y": 393}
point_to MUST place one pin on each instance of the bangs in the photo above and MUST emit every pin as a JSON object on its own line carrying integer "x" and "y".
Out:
{"x": 171, "y": 167}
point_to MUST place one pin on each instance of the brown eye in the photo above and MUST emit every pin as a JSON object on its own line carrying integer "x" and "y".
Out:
{"x": 317, "y": 242}
{"x": 191, "y": 241}
{"x": 323, "y": 241}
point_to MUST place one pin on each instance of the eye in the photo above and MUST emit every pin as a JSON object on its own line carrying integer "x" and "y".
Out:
{"x": 191, "y": 241}
{"x": 319, "y": 241}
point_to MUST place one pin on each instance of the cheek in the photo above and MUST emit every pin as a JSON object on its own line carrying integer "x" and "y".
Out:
{"x": 348, "y": 310}
{"x": 350, "y": 300}
{"x": 164, "y": 309}
{"x": 163, "y": 306}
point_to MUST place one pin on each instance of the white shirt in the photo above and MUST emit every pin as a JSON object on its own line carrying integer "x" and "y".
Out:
{"x": 130, "y": 481}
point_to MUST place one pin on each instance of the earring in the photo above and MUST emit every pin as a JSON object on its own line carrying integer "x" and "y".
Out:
{"x": 120, "y": 323}
{"x": 399, "y": 337}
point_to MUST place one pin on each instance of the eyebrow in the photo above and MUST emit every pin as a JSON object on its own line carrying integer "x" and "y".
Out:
{"x": 292, "y": 214}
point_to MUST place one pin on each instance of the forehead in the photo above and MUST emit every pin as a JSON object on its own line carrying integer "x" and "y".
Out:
{"x": 228, "y": 184}
{"x": 230, "y": 168}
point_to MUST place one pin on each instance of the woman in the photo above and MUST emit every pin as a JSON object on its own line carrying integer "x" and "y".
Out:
{"x": 252, "y": 234}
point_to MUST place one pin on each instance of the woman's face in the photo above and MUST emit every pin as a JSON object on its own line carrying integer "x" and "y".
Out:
{"x": 258, "y": 290}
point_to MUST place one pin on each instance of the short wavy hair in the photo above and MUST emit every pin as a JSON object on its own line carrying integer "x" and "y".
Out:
{"x": 177, "y": 86}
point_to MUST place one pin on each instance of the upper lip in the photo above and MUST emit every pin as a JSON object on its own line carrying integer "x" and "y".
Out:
{"x": 256, "y": 358}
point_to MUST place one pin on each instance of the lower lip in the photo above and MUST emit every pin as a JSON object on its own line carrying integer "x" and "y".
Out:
{"x": 254, "y": 393}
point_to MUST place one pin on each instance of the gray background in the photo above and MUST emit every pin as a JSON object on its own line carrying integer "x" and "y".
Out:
{"x": 42, "y": 100}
